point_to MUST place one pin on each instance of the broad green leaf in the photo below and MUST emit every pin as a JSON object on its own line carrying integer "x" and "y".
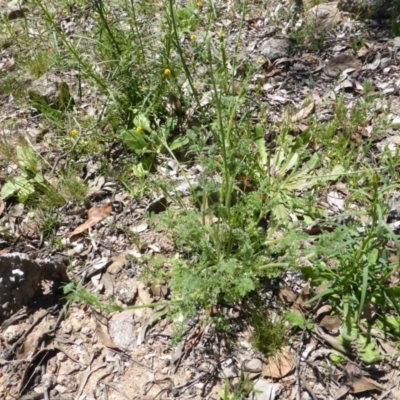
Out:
{"x": 24, "y": 192}
{"x": 280, "y": 212}
{"x": 334, "y": 175}
{"x": 139, "y": 171}
{"x": 348, "y": 334}
{"x": 135, "y": 140}
{"x": 178, "y": 142}
{"x": 142, "y": 121}
{"x": 373, "y": 256}
{"x": 278, "y": 159}
{"x": 368, "y": 353}
{"x": 290, "y": 164}
{"x": 297, "y": 319}
{"x": 27, "y": 159}
{"x": 313, "y": 162}
{"x": 19, "y": 185}
{"x": 337, "y": 357}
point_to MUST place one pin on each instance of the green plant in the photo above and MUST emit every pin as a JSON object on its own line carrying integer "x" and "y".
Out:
{"x": 154, "y": 269}
{"x": 239, "y": 392}
{"x": 39, "y": 63}
{"x": 30, "y": 184}
{"x": 268, "y": 336}
{"x": 76, "y": 292}
{"x": 354, "y": 264}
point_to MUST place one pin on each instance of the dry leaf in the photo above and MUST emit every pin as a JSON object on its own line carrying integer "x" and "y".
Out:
{"x": 143, "y": 294}
{"x": 95, "y": 215}
{"x": 303, "y": 113}
{"x": 31, "y": 344}
{"x": 5, "y": 251}
{"x": 287, "y": 295}
{"x": 331, "y": 322}
{"x": 118, "y": 262}
{"x": 108, "y": 284}
{"x": 342, "y": 391}
{"x": 280, "y": 364}
{"x": 364, "y": 384}
{"x": 102, "y": 331}
{"x": 325, "y": 309}
{"x": 387, "y": 349}
{"x": 332, "y": 341}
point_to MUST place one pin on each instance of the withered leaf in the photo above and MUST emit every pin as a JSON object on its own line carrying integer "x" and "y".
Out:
{"x": 95, "y": 215}
{"x": 279, "y": 365}
{"x": 303, "y": 113}
{"x": 364, "y": 384}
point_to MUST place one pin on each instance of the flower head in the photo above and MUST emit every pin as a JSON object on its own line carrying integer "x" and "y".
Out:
{"x": 139, "y": 129}
{"x": 193, "y": 37}
{"x": 167, "y": 72}
{"x": 199, "y": 4}
{"x": 73, "y": 132}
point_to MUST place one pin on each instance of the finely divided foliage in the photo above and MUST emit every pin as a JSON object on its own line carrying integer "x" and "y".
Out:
{"x": 173, "y": 88}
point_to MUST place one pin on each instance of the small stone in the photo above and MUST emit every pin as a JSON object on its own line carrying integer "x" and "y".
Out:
{"x": 51, "y": 90}
{"x": 323, "y": 17}
{"x": 12, "y": 333}
{"x": 276, "y": 48}
{"x": 122, "y": 329}
{"x": 126, "y": 291}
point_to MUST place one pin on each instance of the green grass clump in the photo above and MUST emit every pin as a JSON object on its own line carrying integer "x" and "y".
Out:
{"x": 268, "y": 336}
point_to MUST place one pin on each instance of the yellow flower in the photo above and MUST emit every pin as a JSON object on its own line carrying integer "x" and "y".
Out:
{"x": 221, "y": 33}
{"x": 262, "y": 61}
{"x": 193, "y": 37}
{"x": 167, "y": 72}
{"x": 139, "y": 128}
{"x": 74, "y": 132}
{"x": 199, "y": 4}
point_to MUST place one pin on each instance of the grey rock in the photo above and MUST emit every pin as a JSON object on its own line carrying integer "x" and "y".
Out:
{"x": 20, "y": 281}
{"x": 323, "y": 17}
{"x": 276, "y": 48}
{"x": 336, "y": 65}
{"x": 252, "y": 368}
{"x": 373, "y": 9}
{"x": 126, "y": 291}
{"x": 265, "y": 390}
{"x": 11, "y": 12}
{"x": 394, "y": 207}
{"x": 122, "y": 329}
{"x": 51, "y": 90}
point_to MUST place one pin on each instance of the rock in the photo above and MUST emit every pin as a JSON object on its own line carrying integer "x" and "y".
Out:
{"x": 12, "y": 11}
{"x": 126, "y": 291}
{"x": 394, "y": 208}
{"x": 252, "y": 368}
{"x": 276, "y": 48}
{"x": 51, "y": 90}
{"x": 338, "y": 64}
{"x": 374, "y": 9}
{"x": 265, "y": 390}
{"x": 20, "y": 281}
{"x": 323, "y": 17}
{"x": 122, "y": 329}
